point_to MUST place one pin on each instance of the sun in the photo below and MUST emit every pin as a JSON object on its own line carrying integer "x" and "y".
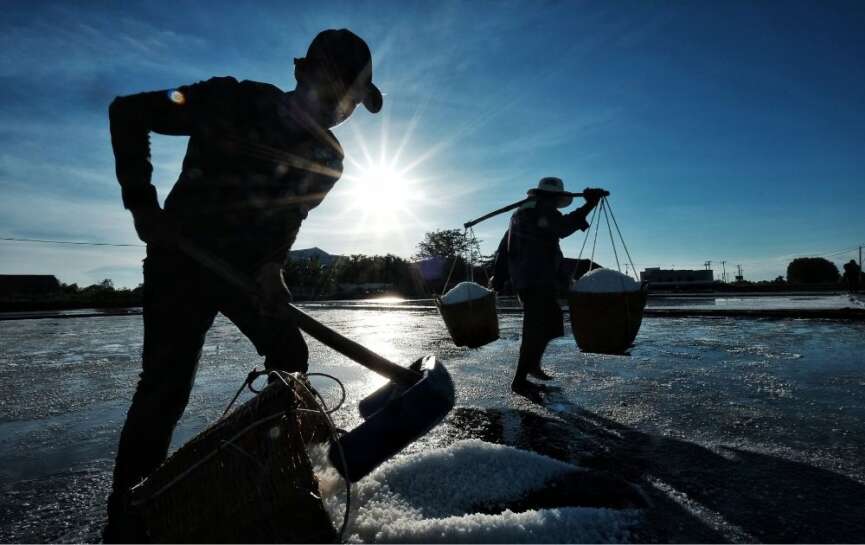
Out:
{"x": 384, "y": 197}
{"x": 381, "y": 189}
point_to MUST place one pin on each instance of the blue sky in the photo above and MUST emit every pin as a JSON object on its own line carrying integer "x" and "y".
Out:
{"x": 725, "y": 131}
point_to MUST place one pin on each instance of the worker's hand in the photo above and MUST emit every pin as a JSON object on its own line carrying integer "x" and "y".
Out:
{"x": 272, "y": 291}
{"x": 593, "y": 195}
{"x": 151, "y": 226}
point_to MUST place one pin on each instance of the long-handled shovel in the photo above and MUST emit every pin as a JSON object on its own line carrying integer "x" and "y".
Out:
{"x": 414, "y": 401}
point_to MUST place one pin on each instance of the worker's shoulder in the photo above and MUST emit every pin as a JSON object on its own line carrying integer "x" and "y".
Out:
{"x": 260, "y": 87}
{"x": 217, "y": 82}
{"x": 325, "y": 149}
{"x": 228, "y": 84}
{"x": 536, "y": 211}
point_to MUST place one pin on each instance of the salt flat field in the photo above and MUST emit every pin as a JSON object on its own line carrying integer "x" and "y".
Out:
{"x": 735, "y": 430}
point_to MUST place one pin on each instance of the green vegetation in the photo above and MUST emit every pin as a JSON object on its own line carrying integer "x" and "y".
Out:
{"x": 353, "y": 276}
{"x": 69, "y": 296}
{"x": 449, "y": 243}
{"x": 812, "y": 270}
{"x": 358, "y": 276}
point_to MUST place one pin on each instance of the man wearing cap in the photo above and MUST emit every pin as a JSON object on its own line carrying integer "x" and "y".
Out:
{"x": 534, "y": 264}
{"x": 258, "y": 160}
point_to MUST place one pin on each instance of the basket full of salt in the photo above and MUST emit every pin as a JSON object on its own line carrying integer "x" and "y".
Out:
{"x": 245, "y": 479}
{"x": 606, "y": 311}
{"x": 469, "y": 312}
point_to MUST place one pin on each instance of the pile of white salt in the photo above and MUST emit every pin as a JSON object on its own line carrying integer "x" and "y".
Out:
{"x": 606, "y": 281}
{"x": 465, "y": 291}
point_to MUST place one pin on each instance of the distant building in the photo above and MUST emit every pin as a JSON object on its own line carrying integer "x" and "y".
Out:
{"x": 677, "y": 278}
{"x": 27, "y": 284}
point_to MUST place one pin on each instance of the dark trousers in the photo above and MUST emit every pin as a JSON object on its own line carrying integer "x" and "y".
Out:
{"x": 181, "y": 300}
{"x": 542, "y": 322}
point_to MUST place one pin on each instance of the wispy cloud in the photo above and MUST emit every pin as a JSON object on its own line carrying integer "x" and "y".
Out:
{"x": 696, "y": 124}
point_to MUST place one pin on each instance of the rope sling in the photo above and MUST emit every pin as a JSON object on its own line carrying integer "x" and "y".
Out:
{"x": 471, "y": 243}
{"x": 606, "y": 209}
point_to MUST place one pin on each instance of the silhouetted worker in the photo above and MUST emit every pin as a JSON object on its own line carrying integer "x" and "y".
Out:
{"x": 534, "y": 266}
{"x": 258, "y": 160}
{"x": 852, "y": 273}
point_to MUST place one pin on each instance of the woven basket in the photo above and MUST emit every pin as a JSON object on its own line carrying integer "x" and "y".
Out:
{"x": 606, "y": 323}
{"x": 471, "y": 323}
{"x": 245, "y": 479}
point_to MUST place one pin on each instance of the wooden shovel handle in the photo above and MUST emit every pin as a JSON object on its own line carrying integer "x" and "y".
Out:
{"x": 317, "y": 330}
{"x": 353, "y": 350}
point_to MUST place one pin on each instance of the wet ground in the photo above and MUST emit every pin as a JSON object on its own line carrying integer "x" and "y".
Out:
{"x": 736, "y": 430}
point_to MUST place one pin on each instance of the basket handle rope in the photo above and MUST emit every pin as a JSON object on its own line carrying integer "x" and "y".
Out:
{"x": 471, "y": 242}
{"x": 607, "y": 212}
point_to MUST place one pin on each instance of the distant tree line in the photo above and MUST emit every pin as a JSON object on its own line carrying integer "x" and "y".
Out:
{"x": 353, "y": 275}
{"x": 812, "y": 270}
{"x": 349, "y": 276}
{"x": 451, "y": 253}
{"x": 362, "y": 275}
{"x": 68, "y": 296}
{"x": 807, "y": 273}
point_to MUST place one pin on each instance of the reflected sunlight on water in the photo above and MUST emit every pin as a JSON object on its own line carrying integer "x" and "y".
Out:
{"x": 388, "y": 300}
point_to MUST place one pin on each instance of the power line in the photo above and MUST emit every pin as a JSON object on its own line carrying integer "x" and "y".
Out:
{"x": 76, "y": 243}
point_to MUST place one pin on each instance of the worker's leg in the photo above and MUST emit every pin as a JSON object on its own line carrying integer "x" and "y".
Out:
{"x": 533, "y": 341}
{"x": 176, "y": 319}
{"x": 276, "y": 338}
{"x": 542, "y": 322}
{"x": 553, "y": 328}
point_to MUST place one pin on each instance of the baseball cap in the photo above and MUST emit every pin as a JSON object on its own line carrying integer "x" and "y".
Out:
{"x": 345, "y": 55}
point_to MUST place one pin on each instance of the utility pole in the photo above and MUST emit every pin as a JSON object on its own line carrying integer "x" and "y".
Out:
{"x": 724, "y": 273}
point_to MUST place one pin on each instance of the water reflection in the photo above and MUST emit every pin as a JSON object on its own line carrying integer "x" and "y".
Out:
{"x": 792, "y": 389}
{"x": 388, "y": 300}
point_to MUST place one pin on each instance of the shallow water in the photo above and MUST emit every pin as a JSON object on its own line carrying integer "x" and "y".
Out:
{"x": 739, "y": 430}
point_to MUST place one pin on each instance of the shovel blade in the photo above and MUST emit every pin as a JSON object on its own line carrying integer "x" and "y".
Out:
{"x": 396, "y": 419}
{"x": 379, "y": 399}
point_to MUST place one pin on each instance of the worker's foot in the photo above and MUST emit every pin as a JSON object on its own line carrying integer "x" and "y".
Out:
{"x": 540, "y": 374}
{"x": 122, "y": 526}
{"x": 527, "y": 389}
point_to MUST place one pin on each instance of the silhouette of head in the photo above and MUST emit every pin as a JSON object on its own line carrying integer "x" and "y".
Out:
{"x": 335, "y": 76}
{"x": 551, "y": 190}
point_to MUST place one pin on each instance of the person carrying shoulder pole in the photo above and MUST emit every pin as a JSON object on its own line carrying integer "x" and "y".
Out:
{"x": 258, "y": 160}
{"x": 533, "y": 257}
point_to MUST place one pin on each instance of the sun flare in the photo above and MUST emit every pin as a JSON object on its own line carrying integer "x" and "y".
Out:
{"x": 384, "y": 196}
{"x": 381, "y": 189}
